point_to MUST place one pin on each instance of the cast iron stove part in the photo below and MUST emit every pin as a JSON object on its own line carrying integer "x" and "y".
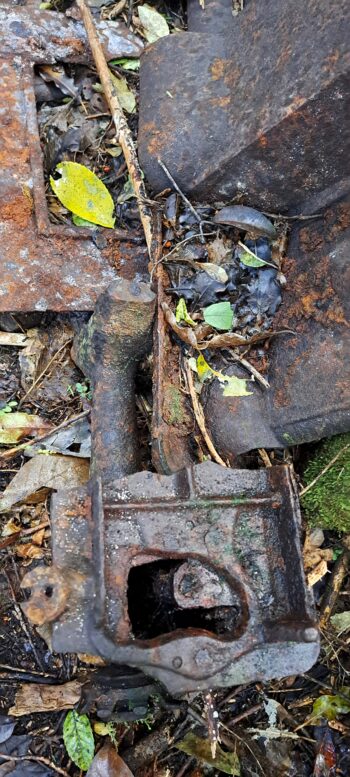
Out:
{"x": 256, "y": 105}
{"x": 44, "y": 266}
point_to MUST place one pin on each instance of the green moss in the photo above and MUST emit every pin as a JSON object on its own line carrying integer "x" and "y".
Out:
{"x": 327, "y": 504}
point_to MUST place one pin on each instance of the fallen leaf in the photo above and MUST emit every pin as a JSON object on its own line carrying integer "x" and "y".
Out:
{"x": 38, "y": 537}
{"x": 127, "y": 192}
{"x": 185, "y": 333}
{"x": 341, "y": 621}
{"x": 57, "y": 74}
{"x": 153, "y": 23}
{"x": 82, "y": 192}
{"x": 219, "y": 315}
{"x": 36, "y": 697}
{"x": 182, "y": 313}
{"x": 10, "y": 527}
{"x": 214, "y": 271}
{"x": 79, "y": 739}
{"x": 126, "y": 64}
{"x": 45, "y": 472}
{"x": 249, "y": 260}
{"x": 15, "y": 426}
{"x": 6, "y": 727}
{"x": 315, "y": 558}
{"x": 126, "y": 97}
{"x": 78, "y": 222}
{"x": 73, "y": 441}
{"x": 220, "y": 250}
{"x": 107, "y": 763}
{"x": 30, "y": 551}
{"x": 200, "y": 748}
{"x": 234, "y": 387}
{"x": 330, "y": 707}
{"x": 232, "y": 339}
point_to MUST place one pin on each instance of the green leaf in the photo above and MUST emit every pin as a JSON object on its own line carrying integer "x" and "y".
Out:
{"x": 182, "y": 313}
{"x": 153, "y": 23}
{"x": 219, "y": 316}
{"x": 341, "y": 621}
{"x": 201, "y": 749}
{"x": 251, "y": 261}
{"x": 127, "y": 192}
{"x": 79, "y": 739}
{"x": 235, "y": 387}
{"x": 330, "y": 707}
{"x": 81, "y": 192}
{"x": 79, "y": 222}
{"x": 126, "y": 97}
{"x": 126, "y": 64}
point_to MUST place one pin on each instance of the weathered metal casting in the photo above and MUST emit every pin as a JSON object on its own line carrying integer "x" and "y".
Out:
{"x": 255, "y": 105}
{"x": 44, "y": 266}
{"x": 309, "y": 374}
{"x": 240, "y": 532}
{"x": 188, "y": 576}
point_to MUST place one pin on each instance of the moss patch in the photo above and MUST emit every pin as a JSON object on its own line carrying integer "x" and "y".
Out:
{"x": 327, "y": 504}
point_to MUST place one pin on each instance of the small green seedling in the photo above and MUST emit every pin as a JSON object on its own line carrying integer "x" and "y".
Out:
{"x": 82, "y": 390}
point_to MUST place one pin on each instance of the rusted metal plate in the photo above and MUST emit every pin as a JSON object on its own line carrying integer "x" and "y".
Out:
{"x": 157, "y": 537}
{"x": 309, "y": 375}
{"x": 259, "y": 111}
{"x": 45, "y": 267}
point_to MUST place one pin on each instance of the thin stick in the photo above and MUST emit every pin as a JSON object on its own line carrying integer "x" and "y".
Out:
{"x": 123, "y": 134}
{"x": 37, "y": 758}
{"x": 339, "y": 571}
{"x": 188, "y": 203}
{"x": 265, "y": 457}
{"x": 324, "y": 470}
{"x": 200, "y": 417}
{"x": 252, "y": 370}
{"x": 11, "y": 452}
{"x": 39, "y": 378}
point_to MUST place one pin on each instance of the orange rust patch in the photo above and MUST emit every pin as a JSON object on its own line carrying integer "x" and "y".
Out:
{"x": 18, "y": 210}
{"x": 217, "y": 69}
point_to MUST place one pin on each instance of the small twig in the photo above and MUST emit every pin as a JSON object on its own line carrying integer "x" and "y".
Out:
{"x": 11, "y": 452}
{"x": 185, "y": 199}
{"x": 199, "y": 415}
{"x": 47, "y": 366}
{"x": 243, "y": 715}
{"x": 123, "y": 134}
{"x": 324, "y": 470}
{"x": 339, "y": 571}
{"x": 37, "y": 758}
{"x": 292, "y": 218}
{"x": 265, "y": 457}
{"x": 251, "y": 369}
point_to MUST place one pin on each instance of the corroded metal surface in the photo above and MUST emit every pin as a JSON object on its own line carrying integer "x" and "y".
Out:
{"x": 259, "y": 111}
{"x": 108, "y": 350}
{"x": 45, "y": 266}
{"x": 241, "y": 527}
{"x": 309, "y": 376}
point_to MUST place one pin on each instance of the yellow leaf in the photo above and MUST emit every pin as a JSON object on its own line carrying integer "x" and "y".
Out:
{"x": 15, "y": 426}
{"x": 203, "y": 369}
{"x": 82, "y": 192}
{"x": 233, "y": 386}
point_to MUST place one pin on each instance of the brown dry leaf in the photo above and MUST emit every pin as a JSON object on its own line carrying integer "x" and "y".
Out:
{"x": 11, "y": 527}
{"x": 184, "y": 333}
{"x": 38, "y": 537}
{"x": 107, "y": 763}
{"x": 47, "y": 360}
{"x": 232, "y": 339}
{"x": 43, "y": 473}
{"x": 33, "y": 697}
{"x": 15, "y": 426}
{"x": 315, "y": 558}
{"x": 29, "y": 551}
{"x": 220, "y": 250}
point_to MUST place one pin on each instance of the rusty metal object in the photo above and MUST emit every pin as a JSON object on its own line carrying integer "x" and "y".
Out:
{"x": 108, "y": 350}
{"x": 309, "y": 376}
{"x": 241, "y": 527}
{"x": 44, "y": 266}
{"x": 257, "y": 106}
{"x": 50, "y": 590}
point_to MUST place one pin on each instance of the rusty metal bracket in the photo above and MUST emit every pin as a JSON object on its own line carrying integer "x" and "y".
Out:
{"x": 44, "y": 266}
{"x": 221, "y": 545}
